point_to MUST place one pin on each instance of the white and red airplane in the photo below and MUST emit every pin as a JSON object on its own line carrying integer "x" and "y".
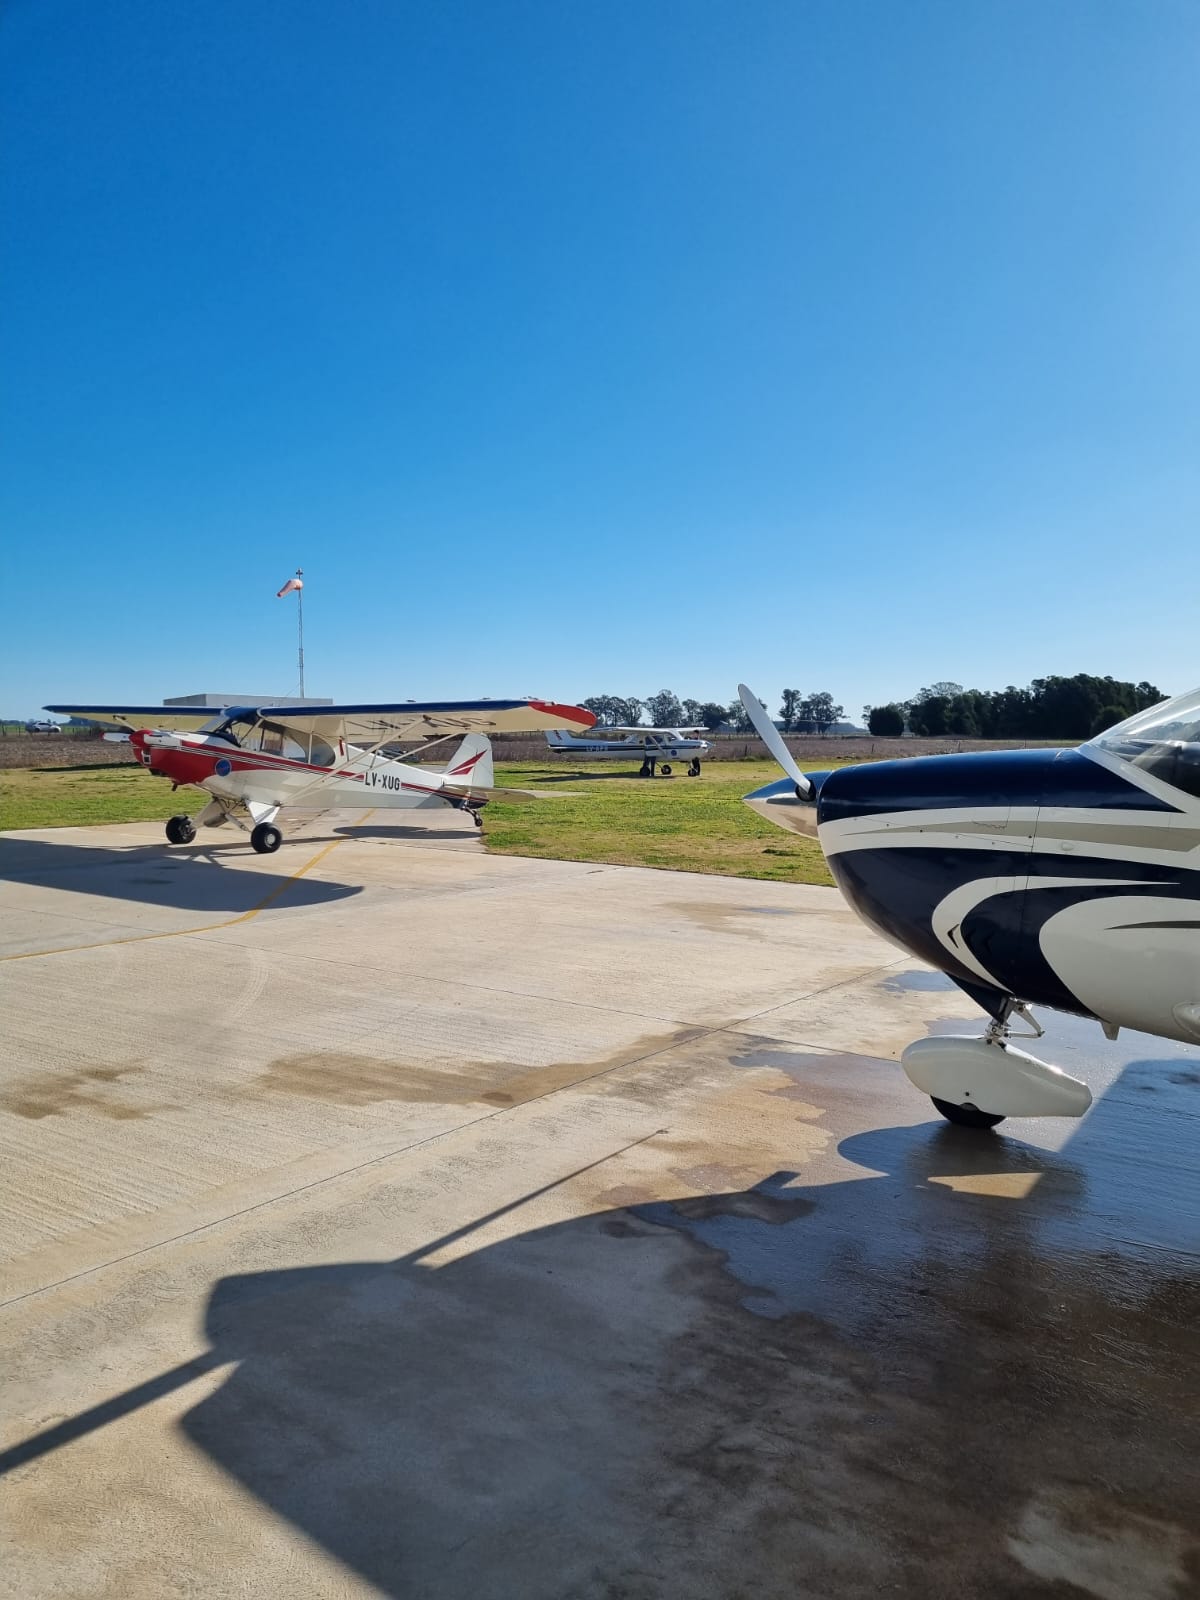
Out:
{"x": 252, "y": 761}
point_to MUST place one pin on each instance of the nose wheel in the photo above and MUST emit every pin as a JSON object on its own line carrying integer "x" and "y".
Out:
{"x": 266, "y": 838}
{"x": 965, "y": 1116}
{"x": 180, "y": 830}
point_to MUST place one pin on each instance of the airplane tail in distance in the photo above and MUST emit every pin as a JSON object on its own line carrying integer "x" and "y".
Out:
{"x": 471, "y": 764}
{"x": 557, "y": 739}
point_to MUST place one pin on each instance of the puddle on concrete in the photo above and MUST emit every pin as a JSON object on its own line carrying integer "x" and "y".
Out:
{"x": 343, "y": 1078}
{"x": 724, "y": 919}
{"x": 917, "y": 981}
{"x": 51, "y": 1094}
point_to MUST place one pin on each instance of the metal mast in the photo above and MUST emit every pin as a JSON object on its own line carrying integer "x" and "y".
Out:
{"x": 300, "y": 623}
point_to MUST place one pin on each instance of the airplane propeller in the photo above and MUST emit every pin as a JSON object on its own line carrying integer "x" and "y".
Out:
{"x": 771, "y": 737}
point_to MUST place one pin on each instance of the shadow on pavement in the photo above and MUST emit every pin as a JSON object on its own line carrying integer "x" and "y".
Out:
{"x": 183, "y": 877}
{"x": 942, "y": 1372}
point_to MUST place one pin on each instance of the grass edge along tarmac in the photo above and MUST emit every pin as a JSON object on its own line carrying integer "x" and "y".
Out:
{"x": 605, "y": 813}
{"x": 598, "y": 811}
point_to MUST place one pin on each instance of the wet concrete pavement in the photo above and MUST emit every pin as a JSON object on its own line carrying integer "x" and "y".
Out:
{"x": 505, "y": 1228}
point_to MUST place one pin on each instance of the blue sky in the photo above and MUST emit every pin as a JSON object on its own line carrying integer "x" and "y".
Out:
{"x": 588, "y": 347}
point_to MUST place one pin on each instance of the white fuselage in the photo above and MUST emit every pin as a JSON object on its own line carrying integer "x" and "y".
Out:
{"x": 269, "y": 778}
{"x": 661, "y": 743}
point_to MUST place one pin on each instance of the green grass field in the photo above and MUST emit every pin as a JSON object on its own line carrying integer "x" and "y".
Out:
{"x": 600, "y": 812}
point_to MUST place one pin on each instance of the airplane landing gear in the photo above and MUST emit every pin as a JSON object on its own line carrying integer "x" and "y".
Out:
{"x": 965, "y": 1116}
{"x": 693, "y": 769}
{"x": 180, "y": 830}
{"x": 266, "y": 838}
{"x": 976, "y": 1083}
{"x": 666, "y": 769}
{"x": 477, "y": 817}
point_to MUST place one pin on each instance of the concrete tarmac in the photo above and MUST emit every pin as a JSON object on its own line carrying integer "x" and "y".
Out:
{"x": 385, "y": 1218}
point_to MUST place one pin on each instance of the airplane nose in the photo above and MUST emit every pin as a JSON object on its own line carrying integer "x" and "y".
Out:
{"x": 779, "y": 803}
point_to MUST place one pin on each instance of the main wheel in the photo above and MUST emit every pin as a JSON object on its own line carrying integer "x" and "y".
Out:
{"x": 665, "y": 769}
{"x": 266, "y": 838}
{"x": 694, "y": 770}
{"x": 965, "y": 1116}
{"x": 180, "y": 830}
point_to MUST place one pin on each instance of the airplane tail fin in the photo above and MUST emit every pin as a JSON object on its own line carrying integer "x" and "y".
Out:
{"x": 557, "y": 739}
{"x": 470, "y": 767}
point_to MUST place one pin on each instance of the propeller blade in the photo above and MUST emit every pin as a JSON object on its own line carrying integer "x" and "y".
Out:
{"x": 771, "y": 737}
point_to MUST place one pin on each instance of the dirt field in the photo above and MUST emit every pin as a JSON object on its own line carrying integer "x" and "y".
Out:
{"x": 33, "y": 750}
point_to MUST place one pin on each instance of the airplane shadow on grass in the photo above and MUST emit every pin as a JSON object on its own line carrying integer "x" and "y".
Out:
{"x": 553, "y": 775}
{"x": 180, "y": 877}
{"x": 873, "y": 1383}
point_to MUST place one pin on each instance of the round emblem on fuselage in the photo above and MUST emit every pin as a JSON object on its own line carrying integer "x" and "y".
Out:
{"x": 223, "y": 768}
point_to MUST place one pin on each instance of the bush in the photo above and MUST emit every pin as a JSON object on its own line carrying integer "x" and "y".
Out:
{"x": 886, "y": 722}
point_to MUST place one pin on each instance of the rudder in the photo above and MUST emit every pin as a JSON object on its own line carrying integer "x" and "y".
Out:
{"x": 471, "y": 764}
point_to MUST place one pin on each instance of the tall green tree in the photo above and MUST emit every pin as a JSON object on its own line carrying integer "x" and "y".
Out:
{"x": 664, "y": 709}
{"x": 789, "y": 709}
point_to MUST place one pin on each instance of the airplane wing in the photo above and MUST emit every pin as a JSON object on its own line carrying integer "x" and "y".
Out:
{"x": 665, "y": 733}
{"x": 168, "y": 719}
{"x": 414, "y": 719}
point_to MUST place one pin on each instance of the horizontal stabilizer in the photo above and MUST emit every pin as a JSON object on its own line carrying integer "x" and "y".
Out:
{"x": 518, "y": 797}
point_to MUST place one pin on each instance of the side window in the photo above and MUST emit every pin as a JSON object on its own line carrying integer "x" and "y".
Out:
{"x": 1176, "y": 764}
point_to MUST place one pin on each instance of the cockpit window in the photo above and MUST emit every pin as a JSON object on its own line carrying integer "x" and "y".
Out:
{"x": 1164, "y": 741}
{"x": 251, "y": 733}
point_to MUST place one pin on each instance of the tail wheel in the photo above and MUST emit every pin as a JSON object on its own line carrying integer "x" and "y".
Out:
{"x": 180, "y": 830}
{"x": 665, "y": 769}
{"x": 266, "y": 838}
{"x": 965, "y": 1116}
{"x": 477, "y": 818}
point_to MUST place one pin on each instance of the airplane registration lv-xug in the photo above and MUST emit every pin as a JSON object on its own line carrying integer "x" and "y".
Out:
{"x": 252, "y": 761}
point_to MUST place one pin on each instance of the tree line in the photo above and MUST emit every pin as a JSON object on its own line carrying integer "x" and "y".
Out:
{"x": 1050, "y": 708}
{"x": 1054, "y": 707}
{"x": 798, "y": 713}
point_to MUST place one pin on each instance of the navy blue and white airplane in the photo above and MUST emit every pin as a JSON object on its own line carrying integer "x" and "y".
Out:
{"x": 1063, "y": 878}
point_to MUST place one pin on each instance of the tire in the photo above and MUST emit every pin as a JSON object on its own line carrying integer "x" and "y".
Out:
{"x": 966, "y": 1116}
{"x": 694, "y": 770}
{"x": 266, "y": 838}
{"x": 665, "y": 769}
{"x": 180, "y": 830}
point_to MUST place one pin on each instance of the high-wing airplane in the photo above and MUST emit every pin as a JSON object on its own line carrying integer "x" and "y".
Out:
{"x": 655, "y": 746}
{"x": 254, "y": 760}
{"x": 1063, "y": 878}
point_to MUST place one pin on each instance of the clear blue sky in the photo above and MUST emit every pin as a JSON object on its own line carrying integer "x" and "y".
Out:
{"x": 583, "y": 347}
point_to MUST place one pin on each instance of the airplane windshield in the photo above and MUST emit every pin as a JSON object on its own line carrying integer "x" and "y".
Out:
{"x": 252, "y": 733}
{"x": 1164, "y": 741}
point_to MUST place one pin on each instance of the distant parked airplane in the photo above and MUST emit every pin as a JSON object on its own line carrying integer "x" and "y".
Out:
{"x": 654, "y": 745}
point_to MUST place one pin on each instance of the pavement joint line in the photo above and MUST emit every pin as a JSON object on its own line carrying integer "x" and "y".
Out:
{"x": 753, "y": 1016}
{"x": 363, "y": 1166}
{"x": 186, "y": 933}
{"x": 207, "y": 1362}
